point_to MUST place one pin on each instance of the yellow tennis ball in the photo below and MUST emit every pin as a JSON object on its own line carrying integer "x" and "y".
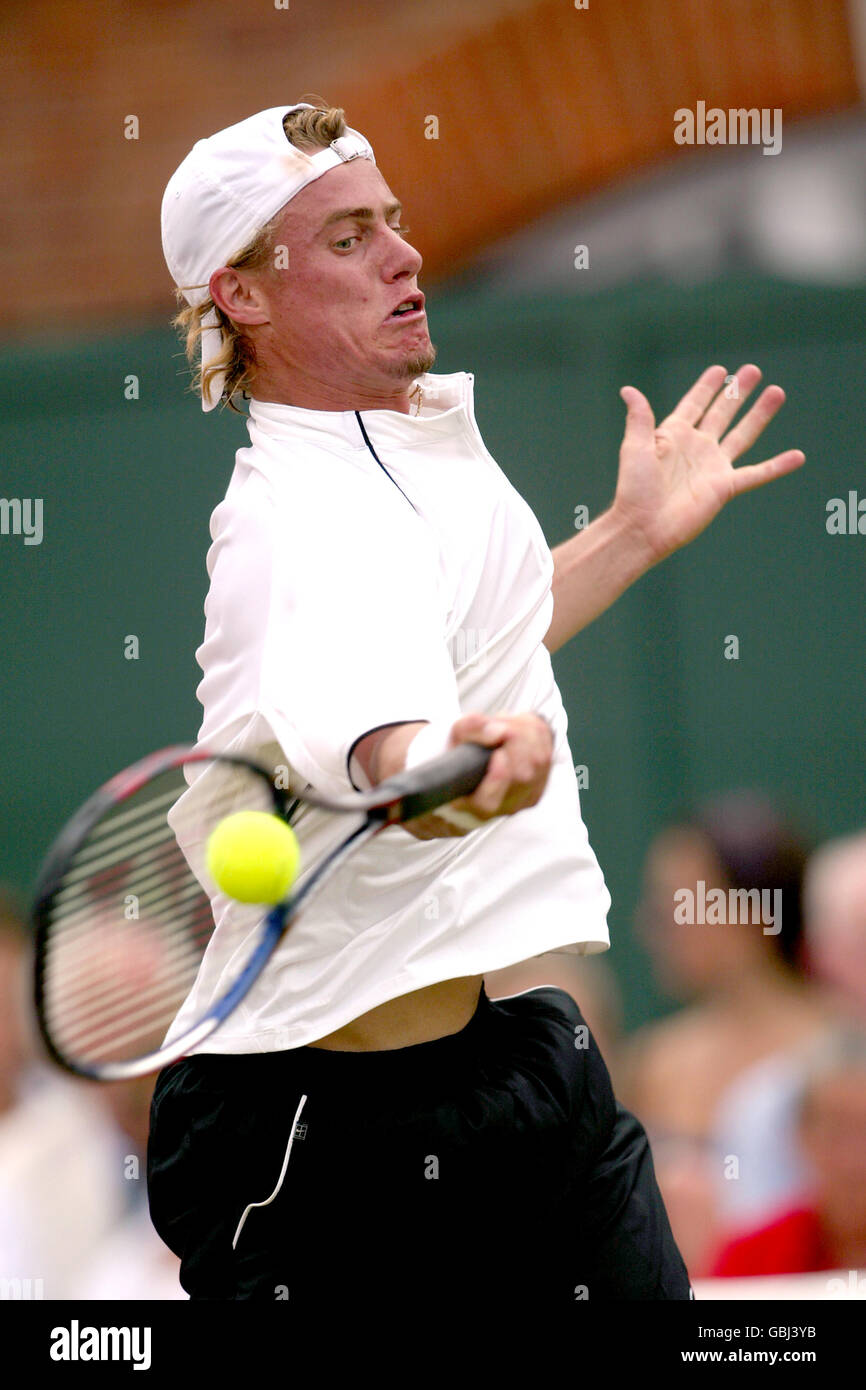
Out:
{"x": 253, "y": 857}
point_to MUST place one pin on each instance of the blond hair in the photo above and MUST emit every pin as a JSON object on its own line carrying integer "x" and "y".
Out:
{"x": 309, "y": 130}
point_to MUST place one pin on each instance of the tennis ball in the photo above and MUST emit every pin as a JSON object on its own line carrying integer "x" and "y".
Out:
{"x": 253, "y": 857}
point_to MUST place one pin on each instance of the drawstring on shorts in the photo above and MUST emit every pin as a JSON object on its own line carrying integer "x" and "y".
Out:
{"x": 268, "y": 1200}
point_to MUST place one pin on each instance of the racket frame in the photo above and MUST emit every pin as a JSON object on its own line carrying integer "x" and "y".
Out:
{"x": 407, "y": 795}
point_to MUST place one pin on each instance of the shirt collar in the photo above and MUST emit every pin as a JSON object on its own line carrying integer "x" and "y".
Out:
{"x": 445, "y": 402}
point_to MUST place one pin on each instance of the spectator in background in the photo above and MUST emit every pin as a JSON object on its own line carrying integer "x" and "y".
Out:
{"x": 69, "y": 1155}
{"x": 130, "y": 1262}
{"x": 757, "y": 1116}
{"x": 826, "y": 1227}
{"x": 14, "y": 1058}
{"x": 588, "y": 979}
{"x": 746, "y": 992}
{"x": 15, "y": 1045}
{"x": 835, "y": 896}
{"x": 58, "y": 1189}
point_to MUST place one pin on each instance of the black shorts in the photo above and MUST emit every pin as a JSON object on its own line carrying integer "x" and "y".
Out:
{"x": 493, "y": 1167}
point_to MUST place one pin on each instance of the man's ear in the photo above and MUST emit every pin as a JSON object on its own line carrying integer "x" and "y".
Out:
{"x": 239, "y": 296}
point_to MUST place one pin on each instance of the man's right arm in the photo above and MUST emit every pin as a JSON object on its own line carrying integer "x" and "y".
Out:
{"x": 516, "y": 775}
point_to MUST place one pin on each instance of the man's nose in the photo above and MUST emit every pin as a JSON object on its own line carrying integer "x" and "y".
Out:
{"x": 401, "y": 258}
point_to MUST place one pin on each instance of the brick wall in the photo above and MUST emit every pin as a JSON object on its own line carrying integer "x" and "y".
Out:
{"x": 536, "y": 102}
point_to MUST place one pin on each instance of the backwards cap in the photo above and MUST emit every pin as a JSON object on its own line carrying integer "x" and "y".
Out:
{"x": 228, "y": 187}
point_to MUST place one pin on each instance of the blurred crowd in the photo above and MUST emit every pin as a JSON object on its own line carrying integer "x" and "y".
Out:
{"x": 74, "y": 1221}
{"x": 752, "y": 1089}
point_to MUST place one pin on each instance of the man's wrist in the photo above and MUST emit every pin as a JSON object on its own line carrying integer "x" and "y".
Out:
{"x": 379, "y": 754}
{"x": 630, "y": 538}
{"x": 428, "y": 743}
{"x": 628, "y": 534}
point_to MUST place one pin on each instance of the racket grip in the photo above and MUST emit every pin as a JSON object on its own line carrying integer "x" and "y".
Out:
{"x": 421, "y": 789}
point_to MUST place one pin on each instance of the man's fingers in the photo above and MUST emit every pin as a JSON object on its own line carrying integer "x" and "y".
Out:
{"x": 519, "y": 764}
{"x": 756, "y": 474}
{"x": 489, "y": 793}
{"x": 744, "y": 434}
{"x": 710, "y": 409}
{"x": 640, "y": 422}
{"x": 486, "y": 729}
{"x": 726, "y": 404}
{"x": 698, "y": 397}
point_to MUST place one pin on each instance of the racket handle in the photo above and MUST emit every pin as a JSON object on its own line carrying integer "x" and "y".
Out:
{"x": 421, "y": 789}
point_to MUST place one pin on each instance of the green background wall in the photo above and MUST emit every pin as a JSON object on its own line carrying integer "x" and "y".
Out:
{"x": 656, "y": 713}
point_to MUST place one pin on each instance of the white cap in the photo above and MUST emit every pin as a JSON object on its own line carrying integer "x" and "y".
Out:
{"x": 228, "y": 187}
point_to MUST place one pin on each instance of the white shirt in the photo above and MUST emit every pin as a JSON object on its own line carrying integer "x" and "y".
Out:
{"x": 344, "y": 597}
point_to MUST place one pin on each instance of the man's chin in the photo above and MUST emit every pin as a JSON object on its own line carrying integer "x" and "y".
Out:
{"x": 415, "y": 364}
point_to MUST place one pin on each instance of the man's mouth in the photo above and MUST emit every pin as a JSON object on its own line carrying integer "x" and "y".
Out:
{"x": 413, "y": 304}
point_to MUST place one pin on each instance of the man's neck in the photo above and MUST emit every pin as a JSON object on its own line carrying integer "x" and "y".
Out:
{"x": 308, "y": 394}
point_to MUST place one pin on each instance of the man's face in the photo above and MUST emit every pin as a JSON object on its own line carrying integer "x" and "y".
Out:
{"x": 833, "y": 1136}
{"x": 331, "y": 320}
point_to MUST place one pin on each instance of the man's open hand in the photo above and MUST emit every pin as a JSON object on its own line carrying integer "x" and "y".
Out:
{"x": 675, "y": 477}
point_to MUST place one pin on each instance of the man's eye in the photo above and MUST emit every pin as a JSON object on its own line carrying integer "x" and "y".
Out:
{"x": 345, "y": 241}
{"x": 403, "y": 231}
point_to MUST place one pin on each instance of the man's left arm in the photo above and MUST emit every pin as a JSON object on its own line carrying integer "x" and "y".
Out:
{"x": 673, "y": 480}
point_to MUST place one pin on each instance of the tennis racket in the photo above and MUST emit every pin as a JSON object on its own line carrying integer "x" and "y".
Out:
{"x": 125, "y": 905}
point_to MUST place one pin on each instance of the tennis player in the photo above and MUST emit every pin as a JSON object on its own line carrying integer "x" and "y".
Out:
{"x": 369, "y": 1126}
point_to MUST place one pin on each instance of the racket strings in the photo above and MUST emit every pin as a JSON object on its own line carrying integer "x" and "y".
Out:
{"x": 110, "y": 839}
{"x": 131, "y": 919}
